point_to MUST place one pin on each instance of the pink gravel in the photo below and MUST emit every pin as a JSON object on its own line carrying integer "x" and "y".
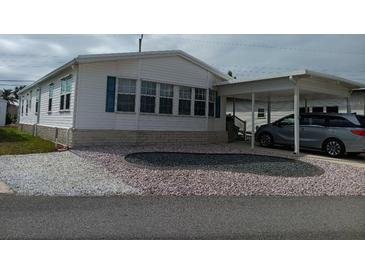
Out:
{"x": 337, "y": 179}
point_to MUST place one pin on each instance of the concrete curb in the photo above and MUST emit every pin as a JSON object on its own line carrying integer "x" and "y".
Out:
{"x": 5, "y": 189}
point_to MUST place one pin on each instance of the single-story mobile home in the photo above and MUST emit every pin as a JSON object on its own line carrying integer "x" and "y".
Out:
{"x": 155, "y": 97}
{"x": 163, "y": 96}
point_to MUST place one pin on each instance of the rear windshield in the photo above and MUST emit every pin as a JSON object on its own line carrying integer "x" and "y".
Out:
{"x": 361, "y": 119}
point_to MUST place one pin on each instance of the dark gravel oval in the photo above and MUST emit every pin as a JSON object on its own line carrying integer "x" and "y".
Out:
{"x": 244, "y": 163}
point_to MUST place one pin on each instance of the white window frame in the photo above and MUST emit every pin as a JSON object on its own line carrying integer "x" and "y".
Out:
{"x": 261, "y": 112}
{"x": 125, "y": 93}
{"x": 185, "y": 99}
{"x": 200, "y": 100}
{"x": 50, "y": 96}
{"x": 168, "y": 96}
{"x": 147, "y": 94}
{"x": 65, "y": 92}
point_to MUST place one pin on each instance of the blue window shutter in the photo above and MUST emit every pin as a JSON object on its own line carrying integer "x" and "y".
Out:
{"x": 218, "y": 107}
{"x": 110, "y": 94}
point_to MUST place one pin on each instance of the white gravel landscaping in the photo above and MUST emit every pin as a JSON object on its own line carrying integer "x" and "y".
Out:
{"x": 334, "y": 179}
{"x": 104, "y": 170}
{"x": 59, "y": 173}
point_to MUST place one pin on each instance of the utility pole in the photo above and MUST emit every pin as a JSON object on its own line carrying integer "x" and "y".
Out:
{"x": 140, "y": 43}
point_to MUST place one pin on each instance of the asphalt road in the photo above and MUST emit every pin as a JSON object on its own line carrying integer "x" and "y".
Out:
{"x": 138, "y": 217}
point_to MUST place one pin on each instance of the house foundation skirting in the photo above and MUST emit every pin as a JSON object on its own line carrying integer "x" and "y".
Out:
{"x": 58, "y": 135}
{"x": 84, "y": 137}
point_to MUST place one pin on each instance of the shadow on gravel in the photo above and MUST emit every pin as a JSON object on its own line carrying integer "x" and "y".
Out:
{"x": 243, "y": 163}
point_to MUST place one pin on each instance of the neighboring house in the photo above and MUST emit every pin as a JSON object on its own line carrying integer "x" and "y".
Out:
{"x": 149, "y": 97}
{"x": 283, "y": 108}
{"x": 3, "y": 105}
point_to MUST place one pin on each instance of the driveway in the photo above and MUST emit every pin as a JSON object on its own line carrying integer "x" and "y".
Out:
{"x": 156, "y": 217}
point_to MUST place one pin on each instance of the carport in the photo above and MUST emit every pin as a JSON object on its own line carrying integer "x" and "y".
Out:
{"x": 298, "y": 85}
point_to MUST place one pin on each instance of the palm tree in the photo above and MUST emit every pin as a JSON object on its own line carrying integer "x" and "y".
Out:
{"x": 8, "y": 96}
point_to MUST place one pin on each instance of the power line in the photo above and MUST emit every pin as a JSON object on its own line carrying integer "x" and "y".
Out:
{"x": 2, "y": 80}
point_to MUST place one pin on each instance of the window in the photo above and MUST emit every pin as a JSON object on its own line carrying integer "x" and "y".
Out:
{"x": 302, "y": 110}
{"x": 199, "y": 103}
{"x": 261, "y": 113}
{"x": 37, "y": 101}
{"x": 317, "y": 109}
{"x": 332, "y": 109}
{"x": 184, "y": 101}
{"x": 148, "y": 96}
{"x": 212, "y": 95}
{"x": 50, "y": 96}
{"x": 22, "y": 101}
{"x": 166, "y": 98}
{"x": 30, "y": 101}
{"x": 313, "y": 120}
{"x": 27, "y": 105}
{"x": 66, "y": 84}
{"x": 126, "y": 95}
{"x": 287, "y": 121}
{"x": 339, "y": 122}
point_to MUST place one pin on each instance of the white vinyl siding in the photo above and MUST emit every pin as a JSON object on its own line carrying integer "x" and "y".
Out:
{"x": 173, "y": 71}
{"x": 55, "y": 118}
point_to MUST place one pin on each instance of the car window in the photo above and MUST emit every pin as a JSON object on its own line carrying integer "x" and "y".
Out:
{"x": 313, "y": 120}
{"x": 339, "y": 122}
{"x": 361, "y": 119}
{"x": 287, "y": 121}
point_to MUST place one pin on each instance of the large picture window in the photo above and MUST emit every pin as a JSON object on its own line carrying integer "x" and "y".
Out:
{"x": 184, "y": 101}
{"x": 199, "y": 103}
{"x": 66, "y": 88}
{"x": 166, "y": 98}
{"x": 126, "y": 95}
{"x": 148, "y": 96}
{"x": 212, "y": 95}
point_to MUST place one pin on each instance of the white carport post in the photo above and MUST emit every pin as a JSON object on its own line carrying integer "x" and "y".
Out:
{"x": 348, "y": 105}
{"x": 269, "y": 110}
{"x": 253, "y": 120}
{"x": 296, "y": 120}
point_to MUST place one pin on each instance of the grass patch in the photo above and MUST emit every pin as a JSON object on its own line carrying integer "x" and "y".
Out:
{"x": 14, "y": 141}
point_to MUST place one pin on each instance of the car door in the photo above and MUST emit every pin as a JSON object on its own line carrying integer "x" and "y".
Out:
{"x": 313, "y": 130}
{"x": 284, "y": 131}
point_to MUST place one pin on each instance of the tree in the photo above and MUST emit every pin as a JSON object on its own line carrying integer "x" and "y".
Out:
{"x": 11, "y": 96}
{"x": 8, "y": 96}
{"x": 16, "y": 91}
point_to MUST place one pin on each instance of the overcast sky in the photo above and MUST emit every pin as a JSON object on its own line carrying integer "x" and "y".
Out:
{"x": 29, "y": 57}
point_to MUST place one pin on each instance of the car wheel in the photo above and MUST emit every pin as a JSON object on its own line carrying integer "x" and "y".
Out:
{"x": 334, "y": 148}
{"x": 265, "y": 140}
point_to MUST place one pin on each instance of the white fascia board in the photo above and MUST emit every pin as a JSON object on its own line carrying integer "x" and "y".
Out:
{"x": 49, "y": 75}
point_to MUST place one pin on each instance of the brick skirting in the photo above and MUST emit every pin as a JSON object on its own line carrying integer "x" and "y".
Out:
{"x": 80, "y": 137}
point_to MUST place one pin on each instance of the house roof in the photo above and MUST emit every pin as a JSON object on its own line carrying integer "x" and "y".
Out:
{"x": 128, "y": 55}
{"x": 299, "y": 73}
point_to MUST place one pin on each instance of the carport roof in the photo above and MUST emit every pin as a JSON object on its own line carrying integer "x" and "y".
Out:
{"x": 298, "y": 74}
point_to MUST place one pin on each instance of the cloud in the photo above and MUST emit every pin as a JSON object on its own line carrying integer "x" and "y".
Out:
{"x": 32, "y": 56}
